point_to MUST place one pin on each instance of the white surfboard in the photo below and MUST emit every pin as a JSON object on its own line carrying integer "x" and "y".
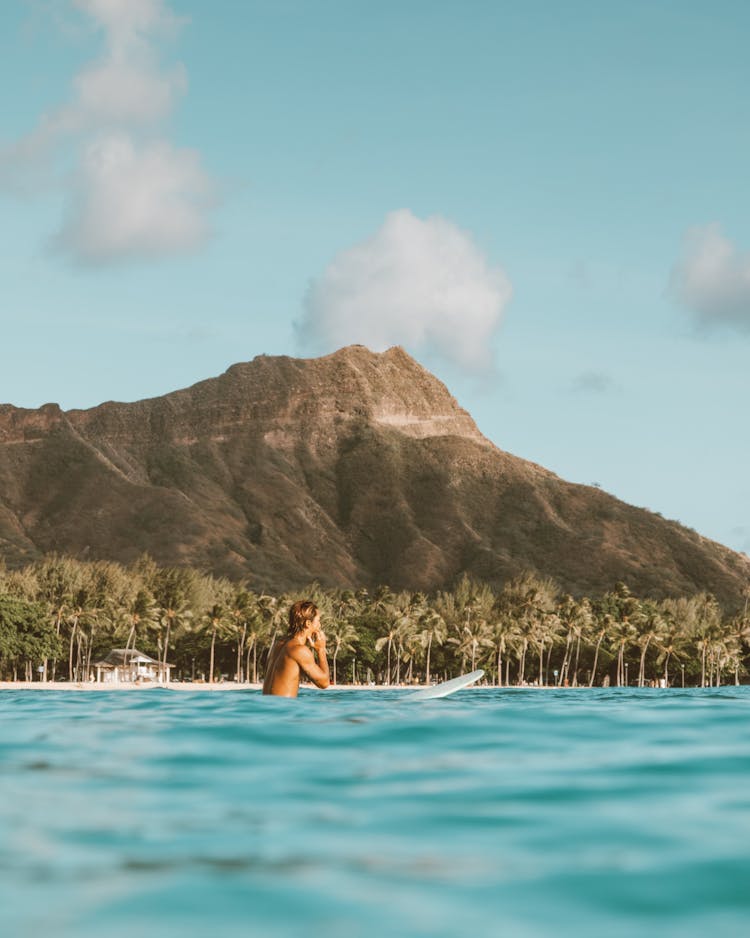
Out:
{"x": 447, "y": 687}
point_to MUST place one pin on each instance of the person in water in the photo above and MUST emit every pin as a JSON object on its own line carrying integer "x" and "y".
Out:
{"x": 293, "y": 656}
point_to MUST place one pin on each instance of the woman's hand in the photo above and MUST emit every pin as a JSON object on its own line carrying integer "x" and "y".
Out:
{"x": 318, "y": 639}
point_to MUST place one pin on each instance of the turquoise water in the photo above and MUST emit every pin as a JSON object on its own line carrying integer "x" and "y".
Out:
{"x": 509, "y": 812}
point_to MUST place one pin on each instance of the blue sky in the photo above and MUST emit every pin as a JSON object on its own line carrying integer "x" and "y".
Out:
{"x": 545, "y": 203}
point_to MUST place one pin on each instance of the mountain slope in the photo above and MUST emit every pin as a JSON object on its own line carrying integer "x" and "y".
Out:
{"x": 354, "y": 469}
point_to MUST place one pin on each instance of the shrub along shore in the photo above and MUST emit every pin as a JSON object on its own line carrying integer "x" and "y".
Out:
{"x": 59, "y": 616}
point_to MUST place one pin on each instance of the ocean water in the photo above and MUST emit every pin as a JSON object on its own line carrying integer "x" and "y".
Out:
{"x": 496, "y": 812}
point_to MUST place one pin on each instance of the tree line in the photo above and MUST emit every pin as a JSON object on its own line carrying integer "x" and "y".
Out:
{"x": 59, "y": 616}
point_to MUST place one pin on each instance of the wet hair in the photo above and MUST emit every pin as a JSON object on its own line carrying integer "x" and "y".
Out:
{"x": 300, "y": 615}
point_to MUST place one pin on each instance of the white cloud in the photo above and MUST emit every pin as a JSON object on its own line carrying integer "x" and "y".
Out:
{"x": 712, "y": 278}
{"x": 127, "y": 93}
{"x": 419, "y": 283}
{"x": 134, "y": 201}
{"x": 131, "y": 193}
{"x": 129, "y": 23}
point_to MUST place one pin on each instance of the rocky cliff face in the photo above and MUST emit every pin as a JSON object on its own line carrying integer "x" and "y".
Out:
{"x": 353, "y": 469}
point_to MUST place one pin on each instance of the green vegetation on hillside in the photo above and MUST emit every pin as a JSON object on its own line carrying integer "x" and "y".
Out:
{"x": 59, "y": 616}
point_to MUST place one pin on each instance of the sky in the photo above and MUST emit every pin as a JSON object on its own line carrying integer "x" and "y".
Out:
{"x": 546, "y": 204}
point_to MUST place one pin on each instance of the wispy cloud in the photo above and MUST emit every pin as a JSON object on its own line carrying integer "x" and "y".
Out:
{"x": 419, "y": 283}
{"x": 712, "y": 278}
{"x": 131, "y": 192}
{"x": 593, "y": 382}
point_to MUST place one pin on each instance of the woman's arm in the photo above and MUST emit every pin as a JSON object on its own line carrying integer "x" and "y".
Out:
{"x": 317, "y": 671}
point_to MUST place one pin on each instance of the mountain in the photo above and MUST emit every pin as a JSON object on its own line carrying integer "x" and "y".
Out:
{"x": 352, "y": 469}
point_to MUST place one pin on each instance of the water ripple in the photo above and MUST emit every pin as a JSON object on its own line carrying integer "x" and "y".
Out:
{"x": 508, "y": 811}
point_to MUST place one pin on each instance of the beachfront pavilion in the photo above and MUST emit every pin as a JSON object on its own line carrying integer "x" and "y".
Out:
{"x": 129, "y": 665}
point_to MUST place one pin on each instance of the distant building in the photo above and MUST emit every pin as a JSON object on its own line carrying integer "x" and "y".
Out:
{"x": 129, "y": 666}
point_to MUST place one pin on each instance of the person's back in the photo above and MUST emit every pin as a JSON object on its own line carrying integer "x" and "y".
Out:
{"x": 293, "y": 656}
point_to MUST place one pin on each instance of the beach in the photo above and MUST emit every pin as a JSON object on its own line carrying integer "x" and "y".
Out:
{"x": 184, "y": 686}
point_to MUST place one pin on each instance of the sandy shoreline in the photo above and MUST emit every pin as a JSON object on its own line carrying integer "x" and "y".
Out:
{"x": 178, "y": 686}
{"x": 224, "y": 686}
{"x": 188, "y": 686}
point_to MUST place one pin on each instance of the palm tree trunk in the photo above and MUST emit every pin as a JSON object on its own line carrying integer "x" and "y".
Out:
{"x": 566, "y": 659}
{"x": 642, "y": 668}
{"x": 89, "y": 651}
{"x": 58, "y": 626}
{"x": 541, "y": 663}
{"x": 131, "y": 635}
{"x": 211, "y": 662}
{"x": 575, "y": 665}
{"x": 596, "y": 660}
{"x": 549, "y": 659}
{"x": 78, "y": 655}
{"x": 427, "y": 667}
{"x": 240, "y": 654}
{"x": 335, "y": 654}
{"x": 70, "y": 651}
{"x": 166, "y": 648}
{"x": 522, "y": 662}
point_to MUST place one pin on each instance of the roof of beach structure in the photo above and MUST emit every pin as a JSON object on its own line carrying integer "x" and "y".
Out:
{"x": 128, "y": 656}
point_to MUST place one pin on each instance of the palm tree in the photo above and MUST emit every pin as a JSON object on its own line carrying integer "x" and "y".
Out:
{"x": 624, "y": 608}
{"x": 467, "y": 610}
{"x": 170, "y": 619}
{"x": 622, "y": 635}
{"x": 274, "y": 610}
{"x": 216, "y": 620}
{"x": 82, "y": 612}
{"x": 531, "y": 601}
{"x": 58, "y": 579}
{"x": 671, "y": 639}
{"x": 180, "y": 594}
{"x": 600, "y": 627}
{"x": 576, "y": 618}
{"x": 739, "y": 628}
{"x": 137, "y": 614}
{"x": 583, "y": 630}
{"x": 345, "y": 608}
{"x": 649, "y": 626}
{"x": 472, "y": 639}
{"x": 501, "y": 635}
{"x": 433, "y": 631}
{"x": 704, "y": 622}
{"x": 241, "y": 612}
{"x": 257, "y": 631}
{"x": 397, "y": 611}
{"x": 474, "y": 606}
{"x": 727, "y": 650}
{"x": 342, "y": 634}
{"x": 567, "y": 613}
